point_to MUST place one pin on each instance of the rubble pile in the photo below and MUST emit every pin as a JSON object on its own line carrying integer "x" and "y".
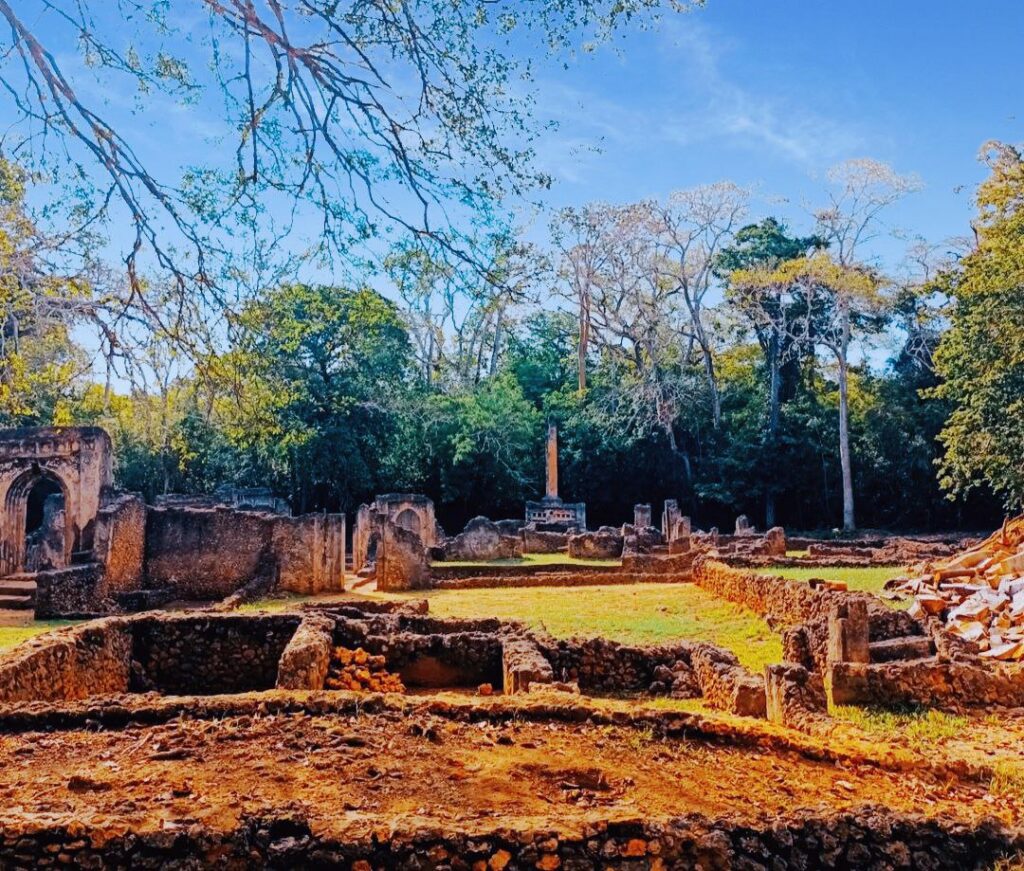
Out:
{"x": 979, "y": 594}
{"x": 358, "y": 671}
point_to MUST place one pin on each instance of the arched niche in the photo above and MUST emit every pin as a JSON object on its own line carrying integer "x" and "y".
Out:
{"x": 21, "y": 502}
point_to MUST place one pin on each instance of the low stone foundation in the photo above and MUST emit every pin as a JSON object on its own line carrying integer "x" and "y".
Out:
{"x": 872, "y": 838}
{"x": 926, "y": 682}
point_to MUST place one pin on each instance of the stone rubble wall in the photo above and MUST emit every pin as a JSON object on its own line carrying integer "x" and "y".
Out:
{"x": 403, "y": 562}
{"x": 482, "y": 539}
{"x": 73, "y": 663}
{"x": 305, "y": 660}
{"x": 685, "y": 669}
{"x": 872, "y": 837}
{"x": 933, "y": 683}
{"x": 441, "y": 572}
{"x": 76, "y": 591}
{"x": 208, "y": 553}
{"x": 192, "y": 654}
{"x": 604, "y": 543}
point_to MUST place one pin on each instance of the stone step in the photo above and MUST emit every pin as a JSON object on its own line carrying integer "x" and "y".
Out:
{"x": 15, "y": 586}
{"x": 905, "y": 647}
{"x": 17, "y": 603}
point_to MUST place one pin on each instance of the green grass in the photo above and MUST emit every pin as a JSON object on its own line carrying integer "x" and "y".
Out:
{"x": 1008, "y": 779}
{"x": 632, "y": 614}
{"x": 12, "y": 635}
{"x": 921, "y": 727}
{"x": 869, "y": 579}
{"x": 534, "y": 559}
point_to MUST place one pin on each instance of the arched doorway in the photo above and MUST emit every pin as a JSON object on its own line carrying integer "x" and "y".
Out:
{"x": 37, "y": 526}
{"x": 409, "y": 519}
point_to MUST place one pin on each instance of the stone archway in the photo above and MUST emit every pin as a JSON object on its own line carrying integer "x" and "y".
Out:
{"x": 21, "y": 502}
{"x": 410, "y": 519}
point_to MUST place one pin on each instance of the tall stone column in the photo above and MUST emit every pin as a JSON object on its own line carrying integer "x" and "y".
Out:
{"x": 551, "y": 492}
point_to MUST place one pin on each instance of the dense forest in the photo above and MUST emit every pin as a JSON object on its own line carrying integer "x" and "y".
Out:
{"x": 695, "y": 346}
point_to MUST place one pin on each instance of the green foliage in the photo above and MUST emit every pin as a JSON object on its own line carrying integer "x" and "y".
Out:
{"x": 981, "y": 357}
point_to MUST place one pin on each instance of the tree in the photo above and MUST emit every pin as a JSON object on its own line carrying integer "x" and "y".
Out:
{"x": 313, "y": 382}
{"x": 771, "y": 310}
{"x": 981, "y": 358}
{"x": 840, "y": 302}
{"x": 692, "y": 226}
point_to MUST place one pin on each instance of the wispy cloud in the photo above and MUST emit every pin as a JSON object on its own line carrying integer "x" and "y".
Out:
{"x": 689, "y": 97}
{"x": 720, "y": 107}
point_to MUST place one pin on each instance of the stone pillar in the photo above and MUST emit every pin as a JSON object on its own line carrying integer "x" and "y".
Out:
{"x": 668, "y": 519}
{"x": 551, "y": 490}
{"x": 848, "y": 633}
{"x": 641, "y": 516}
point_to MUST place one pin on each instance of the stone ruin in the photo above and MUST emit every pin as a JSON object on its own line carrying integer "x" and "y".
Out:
{"x": 73, "y": 545}
{"x": 409, "y": 511}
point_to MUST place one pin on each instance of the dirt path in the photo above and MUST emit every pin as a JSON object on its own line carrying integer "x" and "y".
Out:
{"x": 354, "y": 776}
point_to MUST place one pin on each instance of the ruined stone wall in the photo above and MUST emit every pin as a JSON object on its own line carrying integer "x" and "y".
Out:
{"x": 538, "y": 541}
{"x": 203, "y": 654}
{"x": 77, "y": 591}
{"x": 949, "y": 685}
{"x": 402, "y": 560}
{"x": 482, "y": 539}
{"x": 120, "y": 541}
{"x": 441, "y": 572}
{"x": 204, "y": 553}
{"x": 684, "y": 670}
{"x": 559, "y": 579}
{"x": 74, "y": 663}
{"x": 305, "y": 660}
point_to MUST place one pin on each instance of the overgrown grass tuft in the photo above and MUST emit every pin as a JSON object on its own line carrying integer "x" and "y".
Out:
{"x": 1008, "y": 779}
{"x": 918, "y": 725}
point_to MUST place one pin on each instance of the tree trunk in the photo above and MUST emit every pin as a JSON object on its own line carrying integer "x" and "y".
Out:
{"x": 581, "y": 361}
{"x": 716, "y": 399}
{"x": 844, "y": 446}
{"x": 496, "y": 349}
{"x": 771, "y": 436}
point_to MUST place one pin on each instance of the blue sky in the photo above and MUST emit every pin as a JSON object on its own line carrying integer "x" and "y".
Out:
{"x": 766, "y": 93}
{"x": 770, "y": 94}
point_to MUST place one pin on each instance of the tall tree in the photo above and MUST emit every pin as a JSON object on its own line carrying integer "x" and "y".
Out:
{"x": 981, "y": 358}
{"x": 841, "y": 302}
{"x": 692, "y": 227}
{"x": 771, "y": 310}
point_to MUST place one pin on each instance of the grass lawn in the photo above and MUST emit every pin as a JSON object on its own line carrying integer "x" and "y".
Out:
{"x": 534, "y": 559}
{"x": 633, "y": 614}
{"x": 11, "y": 635}
{"x": 869, "y": 579}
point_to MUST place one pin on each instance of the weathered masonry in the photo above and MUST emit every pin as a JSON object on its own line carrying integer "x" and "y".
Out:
{"x": 52, "y": 482}
{"x": 71, "y": 544}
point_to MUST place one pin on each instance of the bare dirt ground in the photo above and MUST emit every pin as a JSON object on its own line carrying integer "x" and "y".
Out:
{"x": 354, "y": 776}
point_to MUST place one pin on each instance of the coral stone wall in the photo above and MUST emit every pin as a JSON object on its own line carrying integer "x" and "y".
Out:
{"x": 805, "y": 610}
{"x": 120, "y": 541}
{"x": 199, "y": 655}
{"x": 870, "y": 838}
{"x": 74, "y": 663}
{"x": 927, "y": 682}
{"x": 208, "y": 553}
